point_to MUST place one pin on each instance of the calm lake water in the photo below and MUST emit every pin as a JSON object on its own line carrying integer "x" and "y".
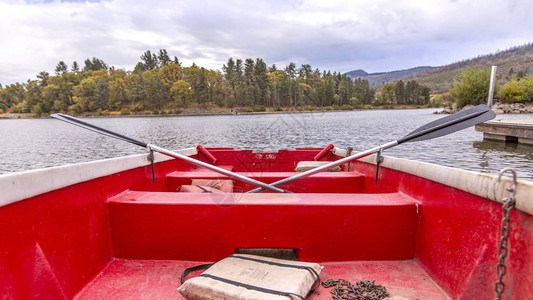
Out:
{"x": 39, "y": 143}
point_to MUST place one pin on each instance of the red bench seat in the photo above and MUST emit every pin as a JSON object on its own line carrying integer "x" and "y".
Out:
{"x": 208, "y": 227}
{"x": 324, "y": 182}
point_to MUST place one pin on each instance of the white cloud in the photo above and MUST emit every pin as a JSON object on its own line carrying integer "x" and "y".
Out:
{"x": 376, "y": 35}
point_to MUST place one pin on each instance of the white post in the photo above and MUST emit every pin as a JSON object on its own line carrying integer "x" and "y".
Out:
{"x": 492, "y": 82}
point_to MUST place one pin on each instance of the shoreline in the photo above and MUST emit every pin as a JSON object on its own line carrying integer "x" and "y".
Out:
{"x": 498, "y": 108}
{"x": 198, "y": 113}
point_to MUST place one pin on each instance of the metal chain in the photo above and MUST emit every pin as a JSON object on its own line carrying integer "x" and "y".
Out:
{"x": 508, "y": 205}
{"x": 362, "y": 290}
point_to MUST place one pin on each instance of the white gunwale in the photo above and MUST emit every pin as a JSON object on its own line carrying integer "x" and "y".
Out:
{"x": 22, "y": 185}
{"x": 483, "y": 185}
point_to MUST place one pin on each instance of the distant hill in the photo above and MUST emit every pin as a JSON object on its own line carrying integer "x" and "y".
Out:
{"x": 357, "y": 74}
{"x": 510, "y": 62}
{"x": 385, "y": 77}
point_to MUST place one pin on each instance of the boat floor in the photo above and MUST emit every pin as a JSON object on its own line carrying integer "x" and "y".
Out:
{"x": 159, "y": 279}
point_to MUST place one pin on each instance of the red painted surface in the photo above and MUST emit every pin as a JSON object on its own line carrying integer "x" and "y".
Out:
{"x": 159, "y": 279}
{"x": 206, "y": 153}
{"x": 56, "y": 244}
{"x": 51, "y": 245}
{"x": 323, "y": 152}
{"x": 323, "y": 227}
{"x": 458, "y": 238}
{"x": 138, "y": 279}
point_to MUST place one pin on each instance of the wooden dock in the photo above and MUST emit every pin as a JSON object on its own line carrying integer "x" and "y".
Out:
{"x": 509, "y": 131}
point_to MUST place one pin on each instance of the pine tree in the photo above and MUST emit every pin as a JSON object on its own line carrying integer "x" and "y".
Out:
{"x": 75, "y": 67}
{"x": 94, "y": 65}
{"x": 239, "y": 80}
{"x": 261, "y": 81}
{"x": 176, "y": 61}
{"x": 149, "y": 60}
{"x": 410, "y": 90}
{"x": 163, "y": 58}
{"x": 249, "y": 81}
{"x": 61, "y": 68}
{"x": 305, "y": 72}
{"x": 291, "y": 70}
{"x": 399, "y": 92}
{"x": 43, "y": 77}
{"x": 230, "y": 75}
{"x": 201, "y": 88}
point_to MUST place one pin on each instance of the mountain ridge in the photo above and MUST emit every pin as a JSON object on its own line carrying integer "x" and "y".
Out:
{"x": 510, "y": 62}
{"x": 380, "y": 78}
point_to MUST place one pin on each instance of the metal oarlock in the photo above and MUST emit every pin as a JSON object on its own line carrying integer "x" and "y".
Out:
{"x": 151, "y": 159}
{"x": 379, "y": 160}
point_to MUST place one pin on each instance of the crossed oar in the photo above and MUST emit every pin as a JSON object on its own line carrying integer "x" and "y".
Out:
{"x": 437, "y": 128}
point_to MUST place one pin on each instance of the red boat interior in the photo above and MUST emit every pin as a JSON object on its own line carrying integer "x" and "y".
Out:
{"x": 123, "y": 236}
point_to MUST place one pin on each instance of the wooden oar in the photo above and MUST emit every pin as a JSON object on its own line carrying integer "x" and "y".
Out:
{"x": 91, "y": 127}
{"x": 438, "y": 128}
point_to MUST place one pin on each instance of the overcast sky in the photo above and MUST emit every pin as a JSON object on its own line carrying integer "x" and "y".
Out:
{"x": 374, "y": 35}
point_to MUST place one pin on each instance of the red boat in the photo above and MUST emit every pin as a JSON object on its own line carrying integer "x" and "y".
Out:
{"x": 124, "y": 229}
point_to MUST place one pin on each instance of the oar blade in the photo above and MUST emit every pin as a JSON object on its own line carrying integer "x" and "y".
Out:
{"x": 450, "y": 124}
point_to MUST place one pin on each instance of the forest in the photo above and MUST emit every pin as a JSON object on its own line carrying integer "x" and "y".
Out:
{"x": 161, "y": 84}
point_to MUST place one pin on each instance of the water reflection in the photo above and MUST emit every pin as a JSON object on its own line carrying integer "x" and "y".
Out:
{"x": 519, "y": 155}
{"x": 511, "y": 148}
{"x": 511, "y": 151}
